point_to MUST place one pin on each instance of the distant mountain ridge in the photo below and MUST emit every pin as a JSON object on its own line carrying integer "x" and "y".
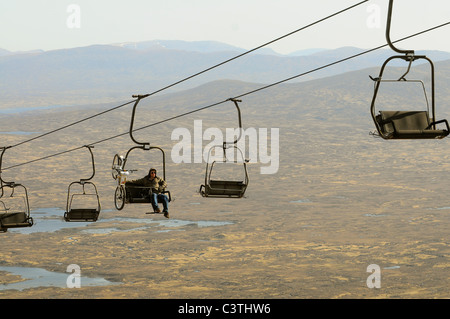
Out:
{"x": 4, "y": 52}
{"x": 209, "y": 47}
{"x": 193, "y": 46}
{"x": 101, "y": 73}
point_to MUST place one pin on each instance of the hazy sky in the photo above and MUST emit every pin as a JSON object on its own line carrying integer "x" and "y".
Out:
{"x": 56, "y": 24}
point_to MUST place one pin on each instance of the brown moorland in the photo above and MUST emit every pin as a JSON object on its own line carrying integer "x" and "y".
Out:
{"x": 340, "y": 201}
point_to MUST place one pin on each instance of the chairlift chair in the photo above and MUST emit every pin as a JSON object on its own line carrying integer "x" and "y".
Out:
{"x": 222, "y": 187}
{"x": 12, "y": 217}
{"x": 407, "y": 124}
{"x": 399, "y": 124}
{"x": 226, "y": 188}
{"x": 126, "y": 192}
{"x": 85, "y": 213}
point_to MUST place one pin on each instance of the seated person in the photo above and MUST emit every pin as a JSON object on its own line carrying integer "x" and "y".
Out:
{"x": 157, "y": 186}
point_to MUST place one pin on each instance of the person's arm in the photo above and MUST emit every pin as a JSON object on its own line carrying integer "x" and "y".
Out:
{"x": 138, "y": 182}
{"x": 162, "y": 184}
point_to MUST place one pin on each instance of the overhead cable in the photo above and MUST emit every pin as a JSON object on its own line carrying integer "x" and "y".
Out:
{"x": 194, "y": 75}
{"x": 236, "y": 97}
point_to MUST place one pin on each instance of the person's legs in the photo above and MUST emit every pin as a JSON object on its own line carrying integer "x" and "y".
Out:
{"x": 154, "y": 201}
{"x": 165, "y": 201}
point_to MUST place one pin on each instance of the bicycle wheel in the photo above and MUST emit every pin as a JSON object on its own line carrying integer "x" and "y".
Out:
{"x": 116, "y": 166}
{"x": 119, "y": 197}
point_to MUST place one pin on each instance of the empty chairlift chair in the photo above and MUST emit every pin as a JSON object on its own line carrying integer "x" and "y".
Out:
{"x": 80, "y": 212}
{"x": 226, "y": 188}
{"x": 215, "y": 187}
{"x": 14, "y": 207}
{"x": 401, "y": 123}
{"x": 14, "y": 217}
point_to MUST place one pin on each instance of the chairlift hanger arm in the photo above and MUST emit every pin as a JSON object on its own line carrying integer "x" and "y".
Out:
{"x": 139, "y": 97}
{"x": 10, "y": 184}
{"x": 89, "y": 147}
{"x": 388, "y": 30}
{"x": 235, "y": 101}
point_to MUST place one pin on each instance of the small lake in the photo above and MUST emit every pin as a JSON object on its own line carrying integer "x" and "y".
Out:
{"x": 47, "y": 220}
{"x": 51, "y": 220}
{"x": 18, "y": 133}
{"x": 15, "y": 110}
{"x": 38, "y": 277}
{"x": 441, "y": 208}
{"x": 300, "y": 201}
{"x": 167, "y": 224}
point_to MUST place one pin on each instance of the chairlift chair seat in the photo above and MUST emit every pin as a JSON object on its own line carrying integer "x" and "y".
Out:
{"x": 218, "y": 188}
{"x": 15, "y": 220}
{"x": 140, "y": 194}
{"x": 409, "y": 125}
{"x": 81, "y": 214}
